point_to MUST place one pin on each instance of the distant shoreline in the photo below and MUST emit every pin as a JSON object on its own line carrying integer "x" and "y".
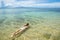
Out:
{"x": 27, "y": 7}
{"x": 36, "y": 9}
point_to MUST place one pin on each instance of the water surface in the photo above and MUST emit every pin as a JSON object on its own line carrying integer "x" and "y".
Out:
{"x": 45, "y": 25}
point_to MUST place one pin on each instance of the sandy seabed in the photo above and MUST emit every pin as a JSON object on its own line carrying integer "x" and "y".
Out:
{"x": 42, "y": 26}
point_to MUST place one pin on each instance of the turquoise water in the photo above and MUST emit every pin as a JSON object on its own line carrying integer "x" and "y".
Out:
{"x": 12, "y": 19}
{"x": 21, "y": 13}
{"x": 31, "y": 12}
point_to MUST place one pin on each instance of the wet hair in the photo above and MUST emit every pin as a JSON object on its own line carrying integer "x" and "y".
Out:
{"x": 26, "y": 24}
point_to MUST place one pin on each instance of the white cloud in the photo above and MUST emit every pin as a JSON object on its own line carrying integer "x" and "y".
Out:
{"x": 31, "y": 3}
{"x": 22, "y": 3}
{"x": 48, "y": 5}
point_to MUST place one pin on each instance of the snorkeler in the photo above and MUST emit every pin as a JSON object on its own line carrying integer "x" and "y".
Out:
{"x": 20, "y": 30}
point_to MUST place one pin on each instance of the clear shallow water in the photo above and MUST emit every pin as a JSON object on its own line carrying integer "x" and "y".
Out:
{"x": 45, "y": 21}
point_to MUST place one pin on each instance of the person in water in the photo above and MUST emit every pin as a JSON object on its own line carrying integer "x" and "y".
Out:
{"x": 20, "y": 30}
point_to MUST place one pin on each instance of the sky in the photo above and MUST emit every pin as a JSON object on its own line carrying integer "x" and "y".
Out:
{"x": 32, "y": 3}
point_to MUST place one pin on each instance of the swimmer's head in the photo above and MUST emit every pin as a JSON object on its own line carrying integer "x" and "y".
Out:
{"x": 27, "y": 24}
